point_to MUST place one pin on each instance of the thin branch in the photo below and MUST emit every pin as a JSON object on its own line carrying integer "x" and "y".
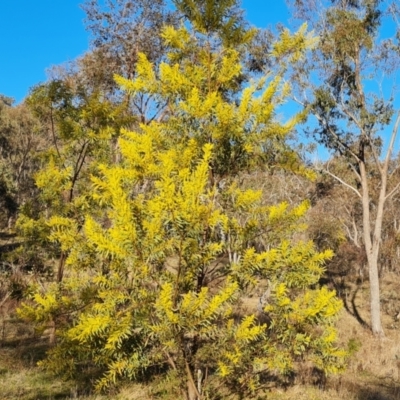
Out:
{"x": 170, "y": 360}
{"x": 392, "y": 140}
{"x": 352, "y": 117}
{"x": 159, "y": 115}
{"x": 53, "y": 132}
{"x": 343, "y": 182}
{"x": 8, "y": 294}
{"x": 376, "y": 158}
{"x": 394, "y": 170}
{"x": 190, "y": 378}
{"x": 331, "y": 131}
{"x": 356, "y": 173}
{"x": 78, "y": 166}
{"x": 138, "y": 107}
{"x": 354, "y": 238}
{"x": 392, "y": 192}
{"x": 337, "y": 138}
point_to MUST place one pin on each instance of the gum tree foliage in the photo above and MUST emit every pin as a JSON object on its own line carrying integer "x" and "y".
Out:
{"x": 158, "y": 272}
{"x": 20, "y": 141}
{"x": 343, "y": 81}
{"x": 120, "y": 30}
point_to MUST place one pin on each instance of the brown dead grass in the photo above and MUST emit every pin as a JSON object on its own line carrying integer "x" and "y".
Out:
{"x": 373, "y": 372}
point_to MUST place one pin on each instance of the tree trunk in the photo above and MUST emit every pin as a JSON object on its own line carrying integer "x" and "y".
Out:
{"x": 192, "y": 392}
{"x": 375, "y": 298}
{"x": 52, "y": 333}
{"x": 61, "y": 265}
{"x": 372, "y": 244}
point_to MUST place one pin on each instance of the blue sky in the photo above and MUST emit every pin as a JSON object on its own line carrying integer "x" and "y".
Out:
{"x": 35, "y": 35}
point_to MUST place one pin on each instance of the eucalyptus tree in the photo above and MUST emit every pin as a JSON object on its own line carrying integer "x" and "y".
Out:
{"x": 21, "y": 138}
{"x": 344, "y": 85}
{"x": 119, "y": 31}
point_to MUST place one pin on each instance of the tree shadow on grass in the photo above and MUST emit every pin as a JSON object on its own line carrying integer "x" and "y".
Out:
{"x": 20, "y": 376}
{"x": 8, "y": 242}
{"x": 371, "y": 388}
{"x": 353, "y": 310}
{"x": 347, "y": 293}
{"x": 387, "y": 393}
{"x": 7, "y": 235}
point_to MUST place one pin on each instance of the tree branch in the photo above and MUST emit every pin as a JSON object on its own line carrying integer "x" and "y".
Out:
{"x": 392, "y": 140}
{"x": 343, "y": 182}
{"x": 392, "y": 192}
{"x": 356, "y": 173}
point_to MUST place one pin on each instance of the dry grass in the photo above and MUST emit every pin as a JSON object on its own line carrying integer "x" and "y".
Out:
{"x": 373, "y": 372}
{"x": 21, "y": 379}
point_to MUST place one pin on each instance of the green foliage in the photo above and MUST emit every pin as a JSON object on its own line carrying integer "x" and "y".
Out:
{"x": 20, "y": 139}
{"x": 223, "y": 19}
{"x": 343, "y": 102}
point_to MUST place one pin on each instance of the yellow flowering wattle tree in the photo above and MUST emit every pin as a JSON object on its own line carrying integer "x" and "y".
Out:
{"x": 158, "y": 278}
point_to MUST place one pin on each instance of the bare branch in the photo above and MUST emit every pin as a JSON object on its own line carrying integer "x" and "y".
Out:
{"x": 392, "y": 192}
{"x": 392, "y": 141}
{"x": 321, "y": 120}
{"x": 343, "y": 182}
{"x": 356, "y": 173}
{"x": 395, "y": 169}
{"x": 53, "y": 134}
{"x": 381, "y": 169}
{"x": 353, "y": 237}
